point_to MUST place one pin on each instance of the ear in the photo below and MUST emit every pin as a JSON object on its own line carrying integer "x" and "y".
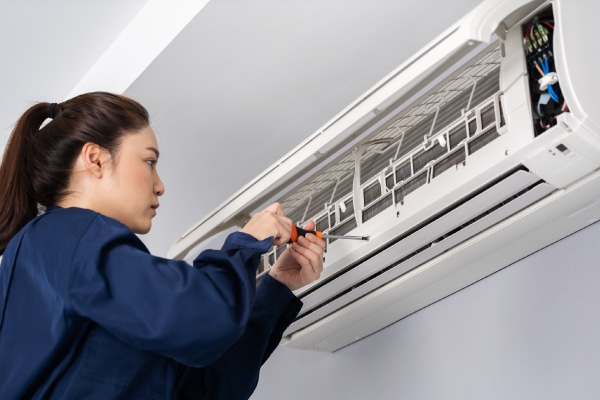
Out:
{"x": 94, "y": 158}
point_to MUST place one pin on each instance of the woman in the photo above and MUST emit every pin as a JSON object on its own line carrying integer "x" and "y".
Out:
{"x": 85, "y": 311}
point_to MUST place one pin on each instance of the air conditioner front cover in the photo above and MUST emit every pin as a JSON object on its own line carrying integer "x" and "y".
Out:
{"x": 455, "y": 165}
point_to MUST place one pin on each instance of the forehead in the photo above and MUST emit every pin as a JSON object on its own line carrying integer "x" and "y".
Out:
{"x": 144, "y": 139}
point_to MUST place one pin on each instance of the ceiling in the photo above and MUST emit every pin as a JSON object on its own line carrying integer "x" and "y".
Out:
{"x": 231, "y": 85}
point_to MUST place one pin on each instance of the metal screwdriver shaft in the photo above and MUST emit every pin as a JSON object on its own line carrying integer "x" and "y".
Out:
{"x": 296, "y": 232}
{"x": 343, "y": 237}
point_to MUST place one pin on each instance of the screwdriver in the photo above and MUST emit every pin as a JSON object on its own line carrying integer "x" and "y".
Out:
{"x": 296, "y": 231}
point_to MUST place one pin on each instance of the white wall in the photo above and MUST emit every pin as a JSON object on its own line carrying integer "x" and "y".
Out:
{"x": 530, "y": 331}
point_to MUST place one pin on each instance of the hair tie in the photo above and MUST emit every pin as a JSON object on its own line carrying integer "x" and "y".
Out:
{"x": 51, "y": 110}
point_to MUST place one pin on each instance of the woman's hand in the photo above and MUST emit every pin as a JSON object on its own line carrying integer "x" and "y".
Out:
{"x": 302, "y": 262}
{"x": 270, "y": 222}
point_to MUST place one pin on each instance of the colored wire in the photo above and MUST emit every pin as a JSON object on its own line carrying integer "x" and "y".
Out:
{"x": 546, "y": 70}
{"x": 552, "y": 93}
{"x": 529, "y": 29}
{"x": 545, "y": 66}
{"x": 539, "y": 69}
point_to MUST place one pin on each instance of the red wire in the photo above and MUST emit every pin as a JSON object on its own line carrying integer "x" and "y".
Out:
{"x": 528, "y": 30}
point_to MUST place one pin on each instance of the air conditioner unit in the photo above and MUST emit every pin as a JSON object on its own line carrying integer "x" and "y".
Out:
{"x": 481, "y": 149}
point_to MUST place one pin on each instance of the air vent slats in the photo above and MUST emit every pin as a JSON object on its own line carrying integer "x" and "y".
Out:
{"x": 459, "y": 222}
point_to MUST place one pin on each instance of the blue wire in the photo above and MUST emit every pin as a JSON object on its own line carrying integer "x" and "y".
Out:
{"x": 552, "y": 93}
{"x": 546, "y": 69}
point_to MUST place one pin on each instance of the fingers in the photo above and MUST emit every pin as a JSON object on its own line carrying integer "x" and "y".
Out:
{"x": 283, "y": 225}
{"x": 283, "y": 230}
{"x": 301, "y": 264}
{"x": 270, "y": 222}
{"x": 308, "y": 253}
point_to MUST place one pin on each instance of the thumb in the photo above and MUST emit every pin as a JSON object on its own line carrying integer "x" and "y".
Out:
{"x": 275, "y": 208}
{"x": 310, "y": 225}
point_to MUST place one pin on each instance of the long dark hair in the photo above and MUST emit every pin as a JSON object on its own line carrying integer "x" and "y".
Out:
{"x": 38, "y": 161}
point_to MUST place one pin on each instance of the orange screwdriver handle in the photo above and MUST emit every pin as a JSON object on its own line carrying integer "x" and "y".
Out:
{"x": 296, "y": 232}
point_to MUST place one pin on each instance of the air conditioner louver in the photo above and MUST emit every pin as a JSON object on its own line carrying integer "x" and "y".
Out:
{"x": 423, "y": 243}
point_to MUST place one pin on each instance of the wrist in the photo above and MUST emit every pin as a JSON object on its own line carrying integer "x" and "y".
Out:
{"x": 274, "y": 273}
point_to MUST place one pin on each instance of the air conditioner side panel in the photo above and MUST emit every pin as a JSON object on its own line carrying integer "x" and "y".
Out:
{"x": 577, "y": 58}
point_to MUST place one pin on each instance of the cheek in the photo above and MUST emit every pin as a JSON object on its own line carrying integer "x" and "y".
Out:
{"x": 138, "y": 176}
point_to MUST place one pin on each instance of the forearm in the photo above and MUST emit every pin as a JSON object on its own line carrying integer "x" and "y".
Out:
{"x": 235, "y": 374}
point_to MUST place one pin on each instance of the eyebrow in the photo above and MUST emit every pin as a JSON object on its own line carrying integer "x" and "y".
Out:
{"x": 155, "y": 150}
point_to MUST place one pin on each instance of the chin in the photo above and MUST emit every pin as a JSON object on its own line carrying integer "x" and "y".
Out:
{"x": 142, "y": 230}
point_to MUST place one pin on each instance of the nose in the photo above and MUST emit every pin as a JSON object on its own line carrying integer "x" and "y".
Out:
{"x": 159, "y": 187}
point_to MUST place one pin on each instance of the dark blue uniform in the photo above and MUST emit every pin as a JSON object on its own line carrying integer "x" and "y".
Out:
{"x": 87, "y": 313}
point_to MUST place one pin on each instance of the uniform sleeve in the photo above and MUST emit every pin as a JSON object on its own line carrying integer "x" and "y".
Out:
{"x": 192, "y": 315}
{"x": 235, "y": 374}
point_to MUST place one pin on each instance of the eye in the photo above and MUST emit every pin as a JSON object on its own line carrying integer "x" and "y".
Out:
{"x": 152, "y": 163}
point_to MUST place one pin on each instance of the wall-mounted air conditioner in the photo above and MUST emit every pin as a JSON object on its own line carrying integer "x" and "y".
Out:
{"x": 481, "y": 149}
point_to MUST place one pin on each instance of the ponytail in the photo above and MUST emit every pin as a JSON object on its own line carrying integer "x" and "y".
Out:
{"x": 17, "y": 206}
{"x": 39, "y": 157}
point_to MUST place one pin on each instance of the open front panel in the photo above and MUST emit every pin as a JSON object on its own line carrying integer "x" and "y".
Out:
{"x": 413, "y": 148}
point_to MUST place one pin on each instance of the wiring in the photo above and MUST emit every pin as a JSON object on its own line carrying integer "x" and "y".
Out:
{"x": 546, "y": 70}
{"x": 546, "y": 95}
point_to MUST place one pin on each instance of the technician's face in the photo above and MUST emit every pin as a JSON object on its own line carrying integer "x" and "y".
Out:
{"x": 134, "y": 182}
